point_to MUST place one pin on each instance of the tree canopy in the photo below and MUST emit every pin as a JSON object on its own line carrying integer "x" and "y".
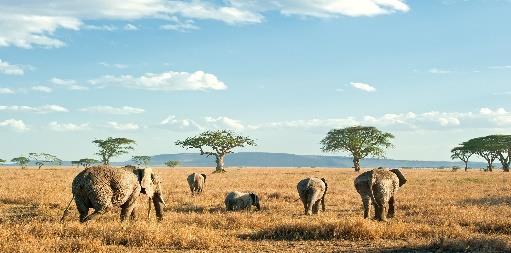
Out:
{"x": 141, "y": 160}
{"x": 2, "y": 161}
{"x": 360, "y": 141}
{"x": 462, "y": 153}
{"x": 41, "y": 159}
{"x": 112, "y": 147}
{"x": 21, "y": 161}
{"x": 491, "y": 148}
{"x": 217, "y": 143}
{"x": 172, "y": 163}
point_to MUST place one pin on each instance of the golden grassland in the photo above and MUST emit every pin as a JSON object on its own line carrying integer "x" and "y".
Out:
{"x": 437, "y": 210}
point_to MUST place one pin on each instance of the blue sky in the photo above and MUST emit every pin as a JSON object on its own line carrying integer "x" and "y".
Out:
{"x": 433, "y": 73}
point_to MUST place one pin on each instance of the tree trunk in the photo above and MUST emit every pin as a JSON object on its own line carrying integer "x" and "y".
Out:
{"x": 466, "y": 165}
{"x": 505, "y": 167}
{"x": 219, "y": 163}
{"x": 356, "y": 164}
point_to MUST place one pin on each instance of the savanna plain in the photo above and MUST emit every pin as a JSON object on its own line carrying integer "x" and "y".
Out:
{"x": 437, "y": 211}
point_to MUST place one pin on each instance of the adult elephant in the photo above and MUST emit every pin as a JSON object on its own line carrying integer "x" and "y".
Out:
{"x": 103, "y": 188}
{"x": 379, "y": 186}
{"x": 312, "y": 192}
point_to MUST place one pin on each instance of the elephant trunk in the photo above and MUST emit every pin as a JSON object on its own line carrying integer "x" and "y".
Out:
{"x": 158, "y": 201}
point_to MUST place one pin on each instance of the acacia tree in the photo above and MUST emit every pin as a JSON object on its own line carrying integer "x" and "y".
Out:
{"x": 502, "y": 146}
{"x": 219, "y": 142}
{"x": 2, "y": 161}
{"x": 172, "y": 163}
{"x": 21, "y": 161}
{"x": 85, "y": 162}
{"x": 360, "y": 141}
{"x": 41, "y": 159}
{"x": 141, "y": 160}
{"x": 112, "y": 147}
{"x": 483, "y": 147}
{"x": 462, "y": 153}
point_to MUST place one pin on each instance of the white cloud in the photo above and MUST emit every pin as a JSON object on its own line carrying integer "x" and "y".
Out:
{"x": 167, "y": 81}
{"x": 31, "y": 23}
{"x": 16, "y": 125}
{"x": 130, "y": 27}
{"x": 500, "y": 67}
{"x": 113, "y": 65}
{"x": 180, "y": 26}
{"x": 225, "y": 122}
{"x": 363, "y": 86}
{"x": 439, "y": 71}
{"x": 7, "y": 68}
{"x": 309, "y": 123}
{"x": 41, "y": 88}
{"x": 39, "y": 109}
{"x": 124, "y": 110}
{"x": 174, "y": 123}
{"x": 6, "y": 91}
{"x": 68, "y": 127}
{"x": 123, "y": 126}
{"x": 108, "y": 28}
{"x": 68, "y": 84}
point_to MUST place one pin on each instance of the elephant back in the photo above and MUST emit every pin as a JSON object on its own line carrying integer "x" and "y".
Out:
{"x": 310, "y": 184}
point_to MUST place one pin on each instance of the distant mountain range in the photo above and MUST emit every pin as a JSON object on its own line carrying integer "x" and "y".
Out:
{"x": 263, "y": 159}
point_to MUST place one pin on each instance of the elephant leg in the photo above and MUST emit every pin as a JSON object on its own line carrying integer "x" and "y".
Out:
{"x": 391, "y": 212}
{"x": 127, "y": 208}
{"x": 83, "y": 209}
{"x": 94, "y": 215}
{"x": 133, "y": 214}
{"x": 315, "y": 207}
{"x": 366, "y": 201}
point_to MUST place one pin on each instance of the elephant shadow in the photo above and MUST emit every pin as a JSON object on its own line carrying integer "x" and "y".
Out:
{"x": 487, "y": 201}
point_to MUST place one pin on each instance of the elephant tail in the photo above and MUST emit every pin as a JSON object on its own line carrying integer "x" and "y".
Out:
{"x": 66, "y": 211}
{"x": 371, "y": 191}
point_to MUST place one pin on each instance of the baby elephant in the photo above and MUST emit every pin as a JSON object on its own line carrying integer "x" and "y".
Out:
{"x": 379, "y": 186}
{"x": 196, "y": 182}
{"x": 312, "y": 191}
{"x": 235, "y": 201}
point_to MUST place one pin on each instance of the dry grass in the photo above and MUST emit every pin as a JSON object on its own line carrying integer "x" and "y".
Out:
{"x": 437, "y": 211}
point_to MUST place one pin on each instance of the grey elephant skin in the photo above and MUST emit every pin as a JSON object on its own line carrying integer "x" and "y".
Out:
{"x": 379, "y": 187}
{"x": 235, "y": 201}
{"x": 103, "y": 188}
{"x": 196, "y": 182}
{"x": 312, "y": 192}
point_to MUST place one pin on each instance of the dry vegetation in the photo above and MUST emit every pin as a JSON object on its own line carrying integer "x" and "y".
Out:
{"x": 437, "y": 210}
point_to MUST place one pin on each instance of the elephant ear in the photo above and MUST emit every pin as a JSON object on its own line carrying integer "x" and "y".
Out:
{"x": 204, "y": 176}
{"x": 402, "y": 179}
{"x": 146, "y": 182}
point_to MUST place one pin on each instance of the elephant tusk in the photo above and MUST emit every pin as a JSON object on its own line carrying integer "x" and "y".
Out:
{"x": 162, "y": 201}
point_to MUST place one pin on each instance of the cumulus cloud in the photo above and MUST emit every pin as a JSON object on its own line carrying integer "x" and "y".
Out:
{"x": 7, "y": 68}
{"x": 113, "y": 65}
{"x": 41, "y": 88}
{"x": 363, "y": 86}
{"x": 225, "y": 122}
{"x": 6, "y": 91}
{"x": 39, "y": 109}
{"x": 173, "y": 123}
{"x": 123, "y": 126}
{"x": 67, "y": 127}
{"x": 34, "y": 23}
{"x": 181, "y": 26}
{"x": 130, "y": 27}
{"x": 167, "y": 81}
{"x": 124, "y": 110}
{"x": 67, "y": 84}
{"x": 16, "y": 125}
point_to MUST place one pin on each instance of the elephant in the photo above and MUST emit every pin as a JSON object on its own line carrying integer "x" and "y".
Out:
{"x": 235, "y": 201}
{"x": 312, "y": 192}
{"x": 196, "y": 182}
{"x": 379, "y": 186}
{"x": 103, "y": 188}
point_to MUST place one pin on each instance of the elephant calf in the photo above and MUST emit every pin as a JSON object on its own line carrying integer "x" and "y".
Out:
{"x": 103, "y": 188}
{"x": 196, "y": 182}
{"x": 379, "y": 186}
{"x": 235, "y": 201}
{"x": 312, "y": 192}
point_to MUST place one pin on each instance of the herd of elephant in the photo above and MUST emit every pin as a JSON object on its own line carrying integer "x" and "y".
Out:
{"x": 103, "y": 188}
